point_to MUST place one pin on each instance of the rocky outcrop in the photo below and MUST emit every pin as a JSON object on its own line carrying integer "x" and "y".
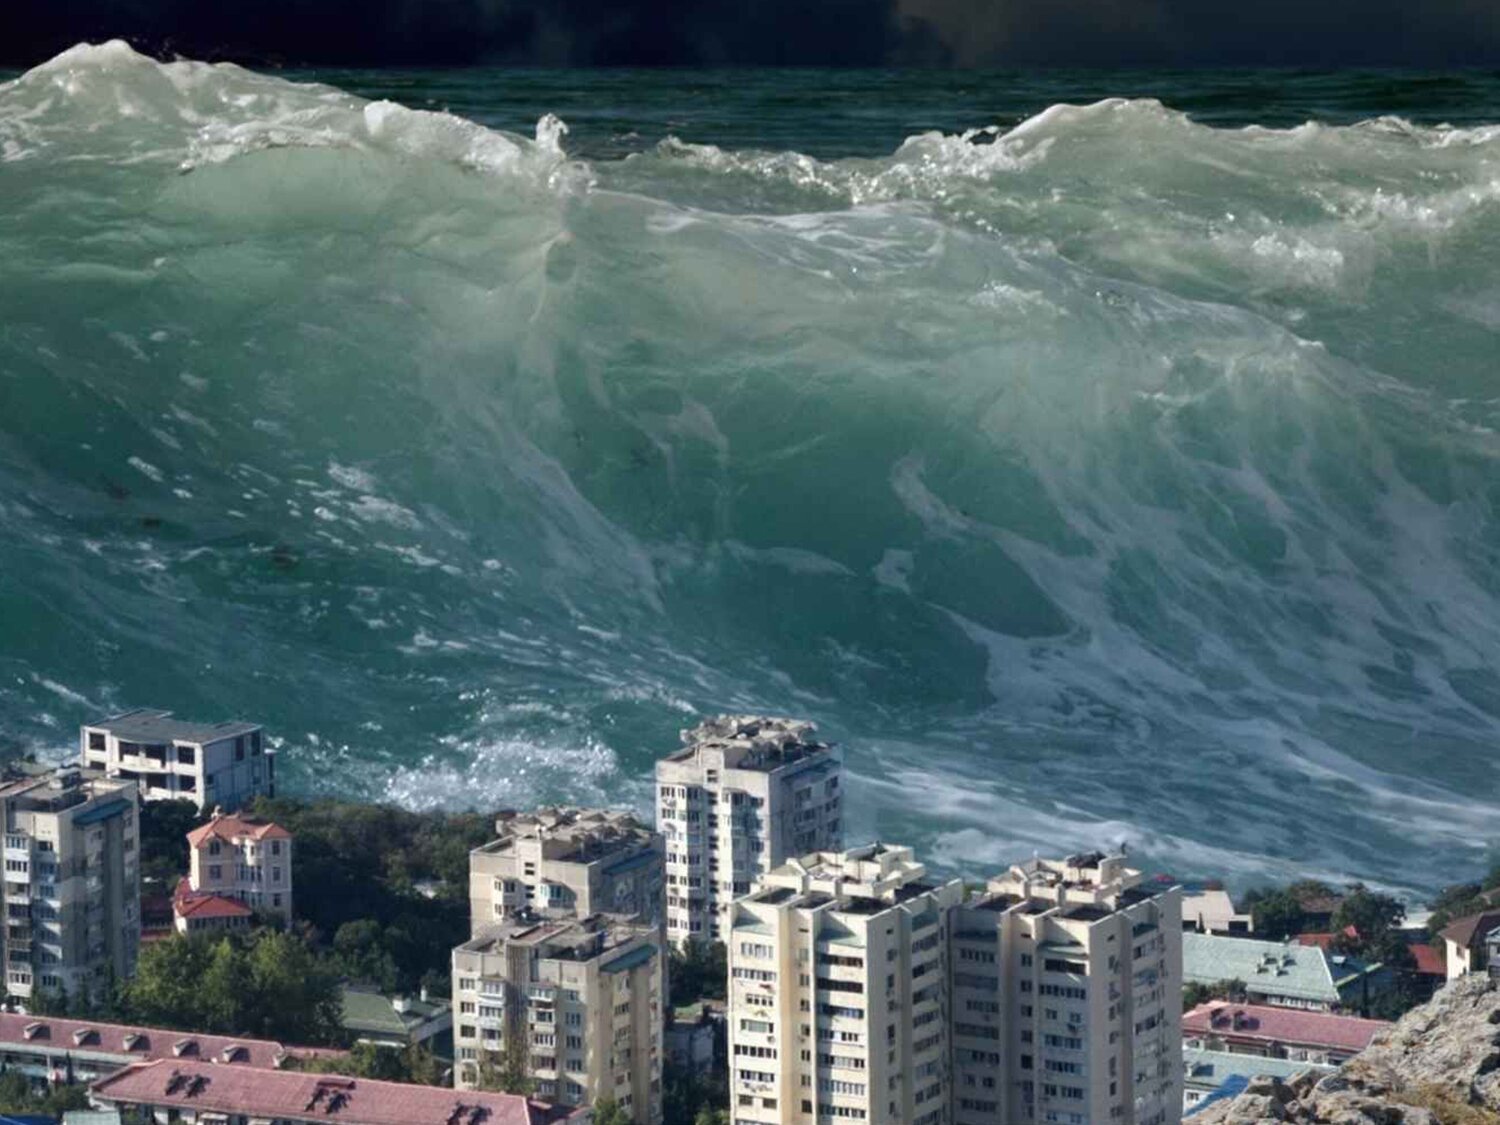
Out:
{"x": 1440, "y": 1065}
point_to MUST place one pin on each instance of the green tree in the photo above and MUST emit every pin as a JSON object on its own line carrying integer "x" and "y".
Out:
{"x": 166, "y": 989}
{"x": 225, "y": 989}
{"x": 1277, "y": 914}
{"x": 1372, "y": 914}
{"x": 1196, "y": 993}
{"x": 360, "y": 953}
{"x": 1458, "y": 901}
{"x": 698, "y": 972}
{"x": 607, "y": 1111}
{"x": 292, "y": 996}
{"x": 507, "y": 1070}
{"x": 164, "y": 826}
{"x": 708, "y": 1115}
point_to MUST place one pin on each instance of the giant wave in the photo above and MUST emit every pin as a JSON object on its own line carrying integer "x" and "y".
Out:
{"x": 1110, "y": 478}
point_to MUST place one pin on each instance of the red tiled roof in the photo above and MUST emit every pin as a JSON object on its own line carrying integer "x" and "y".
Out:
{"x": 1431, "y": 961}
{"x": 1325, "y": 941}
{"x": 188, "y": 903}
{"x": 1284, "y": 1025}
{"x": 235, "y": 827}
{"x": 296, "y": 1096}
{"x": 1466, "y": 931}
{"x": 139, "y": 1042}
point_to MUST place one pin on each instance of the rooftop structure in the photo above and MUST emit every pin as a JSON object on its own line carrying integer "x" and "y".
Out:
{"x": 1289, "y": 1033}
{"x": 1283, "y": 974}
{"x": 565, "y": 862}
{"x": 217, "y": 1093}
{"x": 210, "y": 764}
{"x": 744, "y": 794}
{"x": 1213, "y": 912}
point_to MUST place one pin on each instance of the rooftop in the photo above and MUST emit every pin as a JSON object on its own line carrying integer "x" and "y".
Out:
{"x": 560, "y": 939}
{"x": 367, "y": 1010}
{"x": 129, "y": 1042}
{"x": 159, "y": 726}
{"x": 1468, "y": 932}
{"x": 295, "y": 1096}
{"x": 569, "y": 834}
{"x": 752, "y": 742}
{"x": 236, "y": 827}
{"x": 57, "y": 790}
{"x": 1268, "y": 968}
{"x": 1291, "y": 1026}
{"x": 1211, "y": 1068}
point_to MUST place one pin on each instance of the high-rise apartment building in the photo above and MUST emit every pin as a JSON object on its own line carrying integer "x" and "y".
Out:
{"x": 222, "y": 765}
{"x": 566, "y": 863}
{"x": 575, "y": 1004}
{"x": 861, "y": 991}
{"x": 838, "y": 992}
{"x": 744, "y": 795}
{"x": 1067, "y": 986}
{"x": 72, "y": 884}
{"x": 564, "y": 979}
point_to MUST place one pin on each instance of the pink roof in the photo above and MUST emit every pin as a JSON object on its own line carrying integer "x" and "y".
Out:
{"x": 296, "y": 1096}
{"x": 128, "y": 1042}
{"x": 235, "y": 827}
{"x": 1260, "y": 1022}
{"x": 1431, "y": 961}
{"x": 188, "y": 903}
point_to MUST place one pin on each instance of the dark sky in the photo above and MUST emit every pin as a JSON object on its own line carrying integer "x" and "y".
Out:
{"x": 1310, "y": 33}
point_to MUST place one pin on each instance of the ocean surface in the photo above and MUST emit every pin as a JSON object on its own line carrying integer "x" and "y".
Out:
{"x": 1098, "y": 457}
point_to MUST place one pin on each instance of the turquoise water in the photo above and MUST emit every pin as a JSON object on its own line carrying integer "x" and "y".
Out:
{"x": 1094, "y": 470}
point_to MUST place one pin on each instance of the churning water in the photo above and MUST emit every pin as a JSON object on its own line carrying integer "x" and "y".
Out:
{"x": 1111, "y": 474}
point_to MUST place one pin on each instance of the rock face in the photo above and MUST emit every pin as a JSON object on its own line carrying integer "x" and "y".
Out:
{"x": 1440, "y": 1065}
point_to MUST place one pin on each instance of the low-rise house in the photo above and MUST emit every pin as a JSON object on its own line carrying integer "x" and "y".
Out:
{"x": 396, "y": 1021}
{"x": 1324, "y": 1038}
{"x": 1207, "y": 1073}
{"x": 1213, "y": 912}
{"x": 196, "y": 1093}
{"x": 1284, "y": 974}
{"x": 239, "y": 867}
{"x": 1464, "y": 943}
{"x": 48, "y": 1048}
{"x": 1431, "y": 971}
{"x": 210, "y": 764}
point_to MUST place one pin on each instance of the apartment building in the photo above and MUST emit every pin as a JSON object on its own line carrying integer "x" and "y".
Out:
{"x": 1066, "y": 997}
{"x": 577, "y": 1003}
{"x": 838, "y": 992}
{"x": 238, "y": 867}
{"x": 566, "y": 862}
{"x": 745, "y": 794}
{"x": 210, "y": 764}
{"x": 72, "y": 883}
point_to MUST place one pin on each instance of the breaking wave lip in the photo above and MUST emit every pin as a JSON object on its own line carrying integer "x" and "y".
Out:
{"x": 1114, "y": 478}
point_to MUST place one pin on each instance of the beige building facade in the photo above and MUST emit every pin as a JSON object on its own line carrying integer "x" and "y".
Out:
{"x": 745, "y": 794}
{"x": 221, "y": 765}
{"x": 237, "y": 859}
{"x": 1066, "y": 1001}
{"x": 566, "y": 862}
{"x": 577, "y": 1003}
{"x": 838, "y": 992}
{"x": 72, "y": 883}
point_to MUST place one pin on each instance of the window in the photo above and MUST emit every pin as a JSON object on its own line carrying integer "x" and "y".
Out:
{"x": 187, "y": 755}
{"x": 239, "y": 749}
{"x": 215, "y": 871}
